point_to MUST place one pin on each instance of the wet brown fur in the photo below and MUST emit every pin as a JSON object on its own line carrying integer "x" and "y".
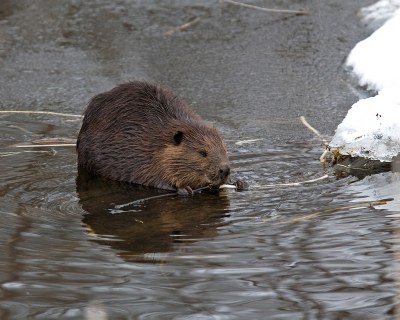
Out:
{"x": 141, "y": 133}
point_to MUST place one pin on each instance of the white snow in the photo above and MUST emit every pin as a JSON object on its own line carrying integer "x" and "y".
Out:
{"x": 371, "y": 129}
{"x": 377, "y": 14}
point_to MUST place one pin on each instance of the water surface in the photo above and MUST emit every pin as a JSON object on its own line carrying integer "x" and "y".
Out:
{"x": 73, "y": 248}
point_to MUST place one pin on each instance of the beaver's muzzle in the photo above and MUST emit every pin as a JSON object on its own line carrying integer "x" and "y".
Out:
{"x": 224, "y": 172}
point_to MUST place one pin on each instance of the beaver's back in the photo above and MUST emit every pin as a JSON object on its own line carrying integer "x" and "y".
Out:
{"x": 136, "y": 102}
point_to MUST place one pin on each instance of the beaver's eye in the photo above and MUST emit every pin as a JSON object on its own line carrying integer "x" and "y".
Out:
{"x": 203, "y": 153}
{"x": 178, "y": 138}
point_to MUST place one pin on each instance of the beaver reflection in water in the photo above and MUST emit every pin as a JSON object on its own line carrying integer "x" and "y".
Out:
{"x": 142, "y": 133}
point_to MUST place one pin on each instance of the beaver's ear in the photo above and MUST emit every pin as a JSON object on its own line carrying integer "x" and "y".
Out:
{"x": 178, "y": 138}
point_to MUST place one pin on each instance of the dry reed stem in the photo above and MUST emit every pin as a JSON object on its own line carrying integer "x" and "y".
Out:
{"x": 312, "y": 129}
{"x": 42, "y": 112}
{"x": 236, "y": 3}
{"x": 45, "y": 145}
{"x": 294, "y": 184}
{"x": 46, "y": 141}
{"x": 7, "y": 154}
{"x": 181, "y": 27}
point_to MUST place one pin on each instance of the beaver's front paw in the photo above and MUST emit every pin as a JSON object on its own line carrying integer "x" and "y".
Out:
{"x": 187, "y": 191}
{"x": 241, "y": 185}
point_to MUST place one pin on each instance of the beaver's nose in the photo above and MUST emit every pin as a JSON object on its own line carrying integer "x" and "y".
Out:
{"x": 224, "y": 171}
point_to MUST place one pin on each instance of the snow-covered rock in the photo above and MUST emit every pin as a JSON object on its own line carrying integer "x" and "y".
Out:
{"x": 371, "y": 129}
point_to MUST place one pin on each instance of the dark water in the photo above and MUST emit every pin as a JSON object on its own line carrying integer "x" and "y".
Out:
{"x": 78, "y": 249}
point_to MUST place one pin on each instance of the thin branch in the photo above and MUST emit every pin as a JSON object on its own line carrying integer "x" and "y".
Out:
{"x": 294, "y": 184}
{"x": 48, "y": 141}
{"x": 139, "y": 201}
{"x": 327, "y": 152}
{"x": 299, "y": 12}
{"x": 182, "y": 27}
{"x": 315, "y": 131}
{"x": 45, "y": 145}
{"x": 42, "y": 112}
{"x": 242, "y": 142}
{"x": 7, "y": 154}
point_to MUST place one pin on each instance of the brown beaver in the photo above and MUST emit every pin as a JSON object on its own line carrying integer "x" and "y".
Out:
{"x": 141, "y": 133}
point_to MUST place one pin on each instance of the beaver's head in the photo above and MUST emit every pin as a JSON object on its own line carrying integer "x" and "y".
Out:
{"x": 195, "y": 157}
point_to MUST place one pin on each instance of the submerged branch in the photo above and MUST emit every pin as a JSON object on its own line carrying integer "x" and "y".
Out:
{"x": 139, "y": 201}
{"x": 333, "y": 210}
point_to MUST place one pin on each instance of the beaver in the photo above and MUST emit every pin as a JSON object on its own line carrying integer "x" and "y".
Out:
{"x": 142, "y": 133}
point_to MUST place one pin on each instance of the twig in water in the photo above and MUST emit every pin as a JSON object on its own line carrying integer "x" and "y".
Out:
{"x": 293, "y": 184}
{"x": 49, "y": 142}
{"x": 20, "y": 128}
{"x": 315, "y": 131}
{"x": 43, "y": 112}
{"x": 182, "y": 27}
{"x": 46, "y": 141}
{"x": 299, "y": 12}
{"x": 139, "y": 201}
{"x": 242, "y": 142}
{"x": 45, "y": 145}
{"x": 7, "y": 154}
{"x": 328, "y": 153}
{"x": 332, "y": 210}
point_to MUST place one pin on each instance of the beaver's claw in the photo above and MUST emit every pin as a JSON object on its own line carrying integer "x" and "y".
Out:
{"x": 187, "y": 191}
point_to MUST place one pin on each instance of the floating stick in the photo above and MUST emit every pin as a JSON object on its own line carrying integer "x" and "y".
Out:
{"x": 182, "y": 27}
{"x": 301, "y": 12}
{"x": 45, "y": 145}
{"x": 293, "y": 184}
{"x": 42, "y": 112}
{"x": 311, "y": 128}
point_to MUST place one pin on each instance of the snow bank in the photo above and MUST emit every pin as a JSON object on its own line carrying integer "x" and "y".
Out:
{"x": 371, "y": 129}
{"x": 377, "y": 14}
